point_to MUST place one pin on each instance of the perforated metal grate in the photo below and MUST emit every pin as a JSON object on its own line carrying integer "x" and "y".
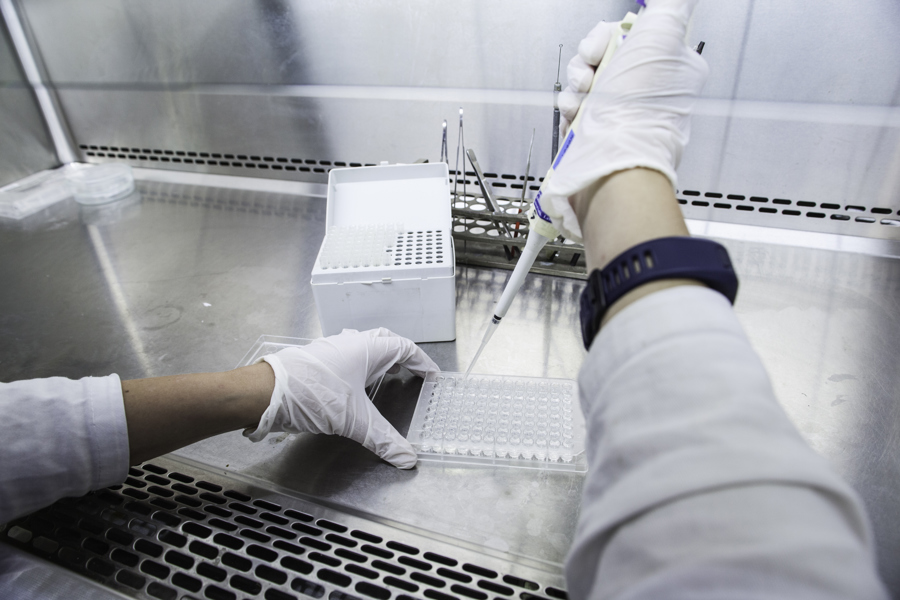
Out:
{"x": 167, "y": 534}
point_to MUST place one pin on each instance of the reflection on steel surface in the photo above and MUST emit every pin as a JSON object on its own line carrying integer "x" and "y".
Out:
{"x": 27, "y": 146}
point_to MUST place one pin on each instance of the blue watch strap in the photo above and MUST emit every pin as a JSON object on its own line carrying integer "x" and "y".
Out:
{"x": 663, "y": 258}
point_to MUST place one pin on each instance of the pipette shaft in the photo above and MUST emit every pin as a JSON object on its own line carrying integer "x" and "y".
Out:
{"x": 533, "y": 245}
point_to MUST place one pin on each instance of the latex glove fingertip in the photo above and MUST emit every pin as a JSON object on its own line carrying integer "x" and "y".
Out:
{"x": 390, "y": 446}
{"x": 592, "y": 48}
{"x": 425, "y": 366}
{"x": 404, "y": 461}
{"x": 579, "y": 75}
{"x": 569, "y": 102}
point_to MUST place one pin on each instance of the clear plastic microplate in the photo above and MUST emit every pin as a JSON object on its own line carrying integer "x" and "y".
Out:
{"x": 494, "y": 420}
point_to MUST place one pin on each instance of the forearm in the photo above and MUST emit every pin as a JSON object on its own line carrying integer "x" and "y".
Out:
{"x": 699, "y": 483}
{"x": 625, "y": 209}
{"x": 166, "y": 413}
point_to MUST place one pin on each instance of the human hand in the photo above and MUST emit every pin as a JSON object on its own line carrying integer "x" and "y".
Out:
{"x": 580, "y": 72}
{"x": 320, "y": 388}
{"x": 638, "y": 112}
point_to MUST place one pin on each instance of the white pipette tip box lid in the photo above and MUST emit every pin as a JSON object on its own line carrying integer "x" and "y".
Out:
{"x": 388, "y": 258}
{"x": 503, "y": 421}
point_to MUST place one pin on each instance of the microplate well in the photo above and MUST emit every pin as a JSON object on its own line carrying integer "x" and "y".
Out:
{"x": 494, "y": 420}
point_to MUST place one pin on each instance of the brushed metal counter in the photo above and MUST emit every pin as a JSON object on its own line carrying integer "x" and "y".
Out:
{"x": 186, "y": 278}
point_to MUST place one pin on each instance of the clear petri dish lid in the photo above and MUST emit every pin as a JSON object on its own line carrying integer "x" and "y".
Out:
{"x": 99, "y": 184}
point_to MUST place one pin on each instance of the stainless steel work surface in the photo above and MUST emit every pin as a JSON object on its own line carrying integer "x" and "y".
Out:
{"x": 186, "y": 278}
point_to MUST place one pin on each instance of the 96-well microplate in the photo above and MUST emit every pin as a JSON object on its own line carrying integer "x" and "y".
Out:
{"x": 507, "y": 421}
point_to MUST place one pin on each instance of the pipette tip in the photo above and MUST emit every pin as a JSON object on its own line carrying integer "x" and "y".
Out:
{"x": 491, "y": 328}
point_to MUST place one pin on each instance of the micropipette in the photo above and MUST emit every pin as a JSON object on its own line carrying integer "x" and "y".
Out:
{"x": 444, "y": 156}
{"x": 540, "y": 228}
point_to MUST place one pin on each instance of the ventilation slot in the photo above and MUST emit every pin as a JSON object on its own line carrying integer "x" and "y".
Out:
{"x": 197, "y": 554}
{"x": 154, "y": 157}
{"x": 789, "y": 212}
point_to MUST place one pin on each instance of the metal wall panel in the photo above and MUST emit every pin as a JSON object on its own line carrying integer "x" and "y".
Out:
{"x": 798, "y": 104}
{"x": 25, "y": 144}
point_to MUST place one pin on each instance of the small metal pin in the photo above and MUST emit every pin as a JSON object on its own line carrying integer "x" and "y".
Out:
{"x": 462, "y": 140}
{"x": 557, "y": 88}
{"x": 459, "y": 142}
{"x": 558, "y": 66}
{"x": 527, "y": 170}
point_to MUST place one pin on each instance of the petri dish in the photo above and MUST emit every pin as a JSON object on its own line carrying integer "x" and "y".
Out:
{"x": 99, "y": 184}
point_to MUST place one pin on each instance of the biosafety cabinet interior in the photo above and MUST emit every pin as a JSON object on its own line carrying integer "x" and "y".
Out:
{"x": 232, "y": 114}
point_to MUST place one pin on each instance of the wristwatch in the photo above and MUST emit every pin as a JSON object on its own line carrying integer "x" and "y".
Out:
{"x": 702, "y": 260}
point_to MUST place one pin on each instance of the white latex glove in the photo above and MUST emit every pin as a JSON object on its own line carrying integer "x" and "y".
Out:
{"x": 320, "y": 388}
{"x": 637, "y": 115}
{"x": 580, "y": 73}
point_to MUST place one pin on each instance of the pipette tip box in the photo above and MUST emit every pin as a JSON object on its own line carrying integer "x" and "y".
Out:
{"x": 503, "y": 421}
{"x": 387, "y": 259}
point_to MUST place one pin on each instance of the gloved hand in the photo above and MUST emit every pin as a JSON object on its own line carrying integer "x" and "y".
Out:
{"x": 637, "y": 115}
{"x": 580, "y": 73}
{"x": 320, "y": 388}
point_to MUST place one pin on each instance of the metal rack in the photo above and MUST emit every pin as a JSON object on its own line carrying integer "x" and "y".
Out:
{"x": 480, "y": 242}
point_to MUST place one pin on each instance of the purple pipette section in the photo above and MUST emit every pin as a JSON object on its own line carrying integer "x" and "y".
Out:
{"x": 642, "y": 3}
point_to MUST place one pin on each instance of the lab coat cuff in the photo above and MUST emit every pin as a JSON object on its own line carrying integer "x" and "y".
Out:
{"x": 110, "y": 455}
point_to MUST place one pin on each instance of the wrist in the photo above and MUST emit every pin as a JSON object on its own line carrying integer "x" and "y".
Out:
{"x": 250, "y": 392}
{"x": 624, "y": 209}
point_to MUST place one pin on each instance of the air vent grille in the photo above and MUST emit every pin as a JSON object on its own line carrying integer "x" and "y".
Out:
{"x": 761, "y": 205}
{"x": 164, "y": 534}
{"x": 718, "y": 201}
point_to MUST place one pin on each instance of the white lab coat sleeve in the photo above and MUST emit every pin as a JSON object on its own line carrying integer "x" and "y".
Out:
{"x": 60, "y": 438}
{"x": 698, "y": 485}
